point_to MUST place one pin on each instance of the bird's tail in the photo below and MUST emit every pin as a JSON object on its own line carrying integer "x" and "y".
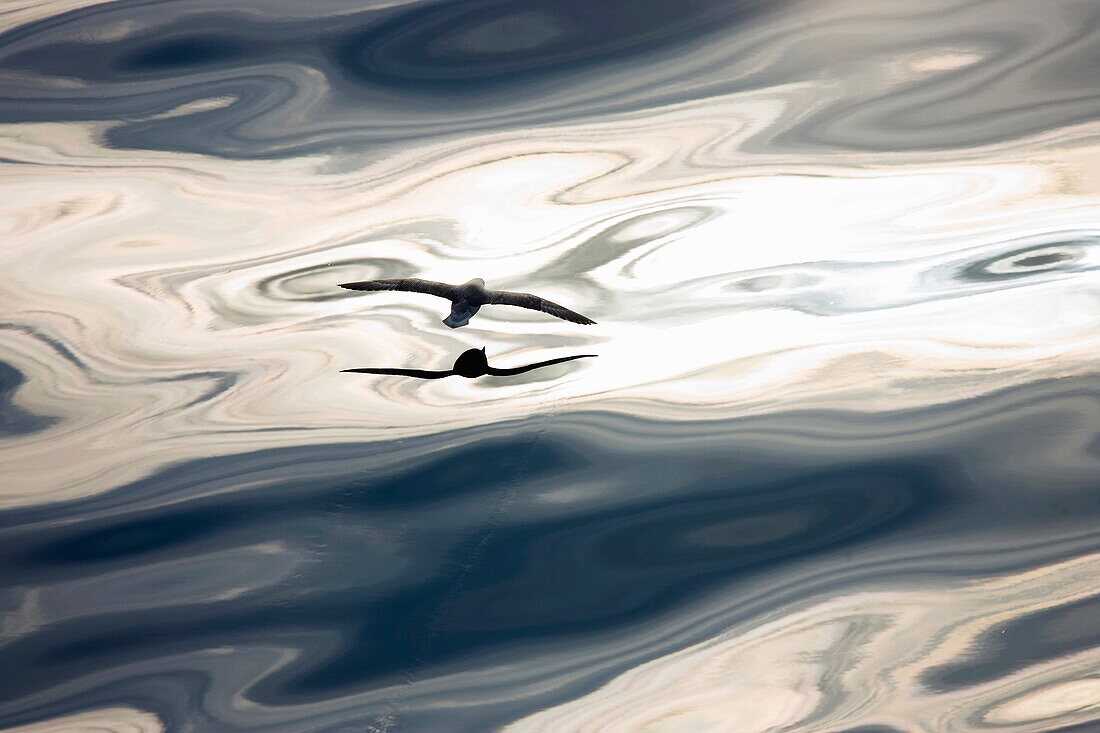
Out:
{"x": 460, "y": 315}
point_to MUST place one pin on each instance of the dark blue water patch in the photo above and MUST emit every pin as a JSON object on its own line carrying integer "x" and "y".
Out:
{"x": 185, "y": 53}
{"x": 172, "y": 46}
{"x": 452, "y": 47}
{"x": 14, "y": 420}
{"x": 607, "y": 569}
{"x": 388, "y": 66}
{"x": 404, "y": 558}
{"x": 442, "y": 46}
{"x": 391, "y": 75}
{"x": 1034, "y": 639}
{"x": 136, "y": 537}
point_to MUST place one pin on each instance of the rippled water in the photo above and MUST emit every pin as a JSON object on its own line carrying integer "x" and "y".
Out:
{"x": 837, "y": 467}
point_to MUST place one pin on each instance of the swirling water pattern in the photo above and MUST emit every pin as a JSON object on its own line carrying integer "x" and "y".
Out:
{"x": 837, "y": 467}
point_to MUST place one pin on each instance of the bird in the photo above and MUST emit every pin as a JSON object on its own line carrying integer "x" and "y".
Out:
{"x": 467, "y": 299}
{"x": 471, "y": 363}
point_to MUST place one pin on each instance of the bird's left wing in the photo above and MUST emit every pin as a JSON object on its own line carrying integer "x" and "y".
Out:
{"x": 534, "y": 302}
{"x": 408, "y": 284}
{"x": 537, "y": 365}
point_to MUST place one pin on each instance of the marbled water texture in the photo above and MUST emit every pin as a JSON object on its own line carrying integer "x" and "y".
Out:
{"x": 836, "y": 468}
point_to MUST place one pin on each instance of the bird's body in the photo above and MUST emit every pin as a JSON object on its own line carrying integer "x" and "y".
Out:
{"x": 471, "y": 364}
{"x": 467, "y": 299}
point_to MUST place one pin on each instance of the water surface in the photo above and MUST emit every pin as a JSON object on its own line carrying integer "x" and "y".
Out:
{"x": 837, "y": 467}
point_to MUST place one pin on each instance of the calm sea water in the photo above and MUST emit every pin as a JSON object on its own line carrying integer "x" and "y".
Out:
{"x": 836, "y": 468}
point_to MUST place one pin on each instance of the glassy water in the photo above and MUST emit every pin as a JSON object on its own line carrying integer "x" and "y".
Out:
{"x": 836, "y": 468}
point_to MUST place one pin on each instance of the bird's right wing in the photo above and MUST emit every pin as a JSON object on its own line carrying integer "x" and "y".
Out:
{"x": 537, "y": 365}
{"x": 535, "y": 303}
{"x": 408, "y": 284}
{"x": 418, "y": 373}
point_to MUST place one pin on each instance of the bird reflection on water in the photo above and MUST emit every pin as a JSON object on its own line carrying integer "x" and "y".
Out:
{"x": 471, "y": 364}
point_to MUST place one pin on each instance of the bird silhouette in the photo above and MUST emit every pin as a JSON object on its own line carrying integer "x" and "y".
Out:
{"x": 467, "y": 299}
{"x": 470, "y": 364}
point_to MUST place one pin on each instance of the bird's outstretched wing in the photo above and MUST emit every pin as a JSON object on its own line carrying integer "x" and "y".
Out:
{"x": 409, "y": 284}
{"x": 418, "y": 373}
{"x": 535, "y": 303}
{"x": 537, "y": 365}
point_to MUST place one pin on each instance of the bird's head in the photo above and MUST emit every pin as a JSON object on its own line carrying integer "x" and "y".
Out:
{"x": 472, "y": 363}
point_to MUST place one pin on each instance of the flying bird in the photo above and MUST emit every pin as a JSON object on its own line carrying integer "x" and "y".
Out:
{"x": 467, "y": 299}
{"x": 470, "y": 364}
